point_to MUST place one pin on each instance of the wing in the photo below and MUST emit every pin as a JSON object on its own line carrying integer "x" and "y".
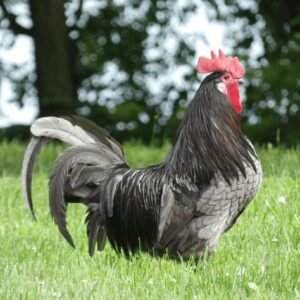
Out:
{"x": 177, "y": 211}
{"x": 190, "y": 221}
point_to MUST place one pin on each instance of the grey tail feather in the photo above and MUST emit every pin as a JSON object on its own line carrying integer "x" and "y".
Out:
{"x": 99, "y": 134}
{"x": 91, "y": 155}
{"x": 102, "y": 151}
{"x": 75, "y": 131}
{"x": 31, "y": 153}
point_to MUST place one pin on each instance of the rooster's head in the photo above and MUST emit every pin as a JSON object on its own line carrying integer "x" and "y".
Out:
{"x": 230, "y": 73}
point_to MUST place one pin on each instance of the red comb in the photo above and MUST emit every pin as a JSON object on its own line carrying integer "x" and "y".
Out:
{"x": 221, "y": 63}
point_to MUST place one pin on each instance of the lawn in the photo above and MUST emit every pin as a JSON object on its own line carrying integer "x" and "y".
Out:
{"x": 258, "y": 258}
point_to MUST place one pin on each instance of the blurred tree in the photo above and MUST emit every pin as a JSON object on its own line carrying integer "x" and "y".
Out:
{"x": 114, "y": 61}
{"x": 104, "y": 59}
{"x": 54, "y": 59}
{"x": 267, "y": 35}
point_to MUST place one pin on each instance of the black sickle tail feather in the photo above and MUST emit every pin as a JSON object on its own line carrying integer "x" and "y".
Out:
{"x": 96, "y": 231}
{"x": 79, "y": 171}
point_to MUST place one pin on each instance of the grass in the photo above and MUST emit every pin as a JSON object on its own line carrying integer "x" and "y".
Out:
{"x": 259, "y": 258}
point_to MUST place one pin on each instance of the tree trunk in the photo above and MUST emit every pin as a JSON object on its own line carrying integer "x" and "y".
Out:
{"x": 55, "y": 66}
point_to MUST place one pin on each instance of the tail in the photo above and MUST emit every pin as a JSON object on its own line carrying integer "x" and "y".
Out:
{"x": 78, "y": 174}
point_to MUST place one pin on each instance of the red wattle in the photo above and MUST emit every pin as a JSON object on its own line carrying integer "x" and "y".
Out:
{"x": 233, "y": 94}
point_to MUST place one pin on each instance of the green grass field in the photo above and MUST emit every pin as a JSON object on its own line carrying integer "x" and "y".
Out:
{"x": 259, "y": 258}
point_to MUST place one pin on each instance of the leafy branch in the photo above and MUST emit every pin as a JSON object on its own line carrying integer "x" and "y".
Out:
{"x": 13, "y": 24}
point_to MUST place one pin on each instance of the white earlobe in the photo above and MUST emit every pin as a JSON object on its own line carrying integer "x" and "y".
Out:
{"x": 222, "y": 88}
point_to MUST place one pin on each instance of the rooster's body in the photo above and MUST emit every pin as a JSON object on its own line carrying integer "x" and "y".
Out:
{"x": 180, "y": 207}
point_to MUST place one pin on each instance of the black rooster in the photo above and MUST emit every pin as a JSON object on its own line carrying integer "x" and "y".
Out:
{"x": 180, "y": 206}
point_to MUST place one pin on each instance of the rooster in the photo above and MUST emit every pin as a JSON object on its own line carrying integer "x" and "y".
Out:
{"x": 179, "y": 207}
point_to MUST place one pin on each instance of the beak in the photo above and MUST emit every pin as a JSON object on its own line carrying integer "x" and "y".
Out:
{"x": 241, "y": 81}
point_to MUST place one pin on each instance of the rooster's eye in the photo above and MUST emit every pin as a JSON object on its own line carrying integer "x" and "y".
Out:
{"x": 226, "y": 77}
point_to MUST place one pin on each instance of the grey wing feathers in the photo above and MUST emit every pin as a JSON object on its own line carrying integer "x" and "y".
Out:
{"x": 176, "y": 212}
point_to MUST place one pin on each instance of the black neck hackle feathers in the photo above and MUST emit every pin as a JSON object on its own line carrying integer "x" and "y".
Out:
{"x": 210, "y": 138}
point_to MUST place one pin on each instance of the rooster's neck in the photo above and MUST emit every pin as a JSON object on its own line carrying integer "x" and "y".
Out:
{"x": 209, "y": 140}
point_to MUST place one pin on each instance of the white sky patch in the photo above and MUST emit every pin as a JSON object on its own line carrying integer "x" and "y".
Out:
{"x": 20, "y": 54}
{"x": 210, "y": 37}
{"x": 214, "y": 32}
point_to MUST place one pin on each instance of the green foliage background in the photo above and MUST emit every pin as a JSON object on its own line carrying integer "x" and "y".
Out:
{"x": 273, "y": 91}
{"x": 127, "y": 39}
